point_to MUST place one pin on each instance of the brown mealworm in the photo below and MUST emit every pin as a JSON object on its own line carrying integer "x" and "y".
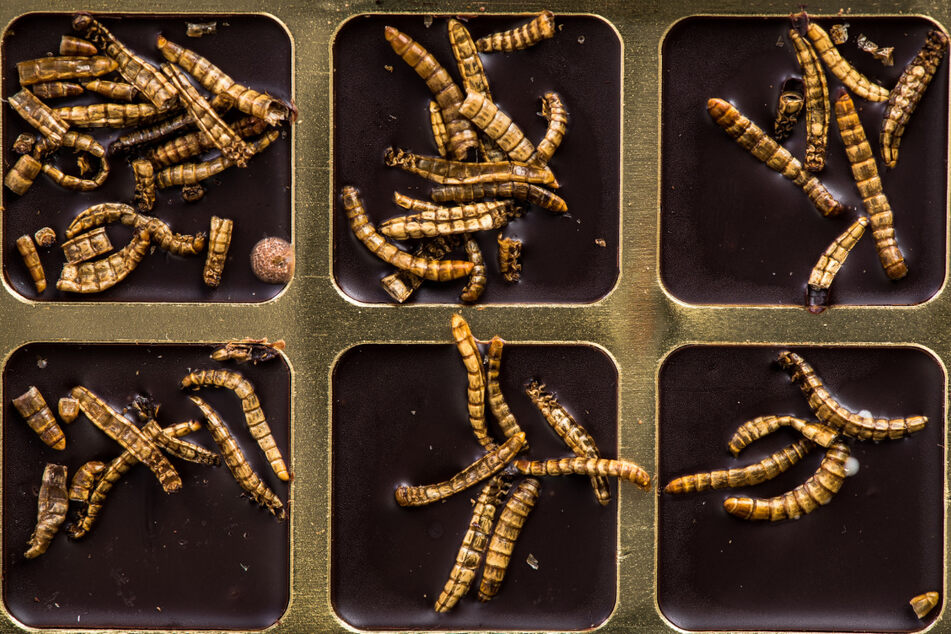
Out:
{"x": 219, "y": 240}
{"x": 592, "y": 467}
{"x": 200, "y": 29}
{"x": 816, "y": 94}
{"x": 540, "y": 28}
{"x": 448, "y": 221}
{"x": 112, "y": 90}
{"x": 21, "y": 176}
{"x": 497, "y": 404}
{"x": 884, "y": 54}
{"x": 100, "y": 275}
{"x": 476, "y": 285}
{"x": 144, "y": 173}
{"x": 825, "y": 270}
{"x": 245, "y": 350}
{"x": 924, "y": 603}
{"x": 756, "y": 428}
{"x": 554, "y": 111}
{"x": 33, "y": 408}
{"x": 44, "y": 69}
{"x": 853, "y": 80}
{"x": 401, "y": 284}
{"x": 440, "y": 135}
{"x": 23, "y": 143}
{"x": 31, "y": 258}
{"x": 56, "y": 90}
{"x": 788, "y": 107}
{"x": 445, "y": 172}
{"x": 40, "y": 116}
{"x": 188, "y": 145}
{"x": 766, "y": 469}
{"x": 68, "y": 409}
{"x": 192, "y": 173}
{"x": 497, "y": 125}
{"x": 165, "y": 128}
{"x": 80, "y": 143}
{"x": 522, "y": 191}
{"x": 70, "y": 46}
{"x": 86, "y": 246}
{"x": 506, "y": 532}
{"x": 84, "y": 479}
{"x": 510, "y": 250}
{"x": 51, "y": 509}
{"x": 475, "y": 391}
{"x": 45, "y": 237}
{"x": 103, "y": 214}
{"x": 470, "y": 66}
{"x": 180, "y": 448}
{"x": 108, "y": 115}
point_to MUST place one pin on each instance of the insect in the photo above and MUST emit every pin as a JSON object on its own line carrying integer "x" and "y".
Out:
{"x": 193, "y": 143}
{"x": 882, "y": 54}
{"x": 200, "y": 29}
{"x": 448, "y": 220}
{"x": 133, "y": 68}
{"x": 924, "y": 603}
{"x": 817, "y": 491}
{"x": 476, "y": 286}
{"x": 832, "y": 413}
{"x": 192, "y": 173}
{"x": 401, "y": 284}
{"x": 192, "y": 193}
{"x": 766, "y": 469}
{"x": 108, "y": 115}
{"x": 23, "y": 143}
{"x": 31, "y": 258}
{"x": 70, "y": 45}
{"x": 144, "y": 173}
{"x": 440, "y": 135}
{"x": 575, "y": 436}
{"x": 56, "y": 90}
{"x": 904, "y": 97}
{"x": 99, "y": 275}
{"x": 540, "y": 28}
{"x": 363, "y": 229}
{"x": 522, "y": 191}
{"x": 870, "y": 187}
{"x": 486, "y": 466}
{"x": 756, "y": 428}
{"x": 853, "y": 80}
{"x": 253, "y": 414}
{"x": 33, "y": 408}
{"x": 84, "y": 479}
{"x": 816, "y": 93}
{"x": 44, "y": 69}
{"x": 68, "y": 409}
{"x": 474, "y": 543}
{"x": 40, "y": 116}
{"x": 474, "y": 79}
{"x": 506, "y": 532}
{"x": 475, "y": 392}
{"x": 120, "y": 429}
{"x": 446, "y": 172}
{"x": 181, "y": 448}
{"x": 81, "y": 143}
{"x": 839, "y": 33}
{"x": 177, "y": 243}
{"x": 497, "y": 404}
{"x": 103, "y": 214}
{"x": 554, "y": 111}
{"x": 112, "y": 89}
{"x": 234, "y": 458}
{"x": 86, "y": 246}
{"x": 497, "y": 125}
{"x": 754, "y": 140}
{"x": 21, "y": 176}
{"x": 592, "y": 467}
{"x": 820, "y": 279}
{"x": 245, "y": 350}
{"x": 218, "y": 243}
{"x": 166, "y": 127}
{"x": 788, "y": 108}
{"x": 51, "y": 509}
{"x": 510, "y": 250}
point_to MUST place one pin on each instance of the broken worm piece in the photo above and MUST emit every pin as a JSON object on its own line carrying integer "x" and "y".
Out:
{"x": 497, "y": 404}
{"x": 830, "y": 261}
{"x": 766, "y": 469}
{"x": 51, "y": 509}
{"x": 56, "y": 90}
{"x": 40, "y": 116}
{"x": 476, "y": 285}
{"x": 497, "y": 125}
{"x": 788, "y": 107}
{"x": 554, "y": 111}
{"x": 438, "y": 124}
{"x": 475, "y": 392}
{"x": 540, "y": 28}
{"x": 924, "y": 603}
{"x": 33, "y": 408}
{"x": 96, "y": 276}
{"x": 510, "y": 250}
{"x": 84, "y": 479}
{"x": 522, "y": 191}
{"x": 68, "y": 409}
{"x": 21, "y": 176}
{"x": 401, "y": 284}
{"x": 884, "y": 54}
{"x": 46, "y": 69}
{"x": 444, "y": 172}
{"x": 76, "y": 46}
{"x": 144, "y": 173}
{"x": 816, "y": 94}
{"x": 853, "y": 80}
{"x": 506, "y": 532}
{"x": 87, "y": 245}
{"x": 31, "y": 258}
{"x": 245, "y": 350}
{"x": 593, "y": 467}
{"x": 219, "y": 241}
{"x": 761, "y": 426}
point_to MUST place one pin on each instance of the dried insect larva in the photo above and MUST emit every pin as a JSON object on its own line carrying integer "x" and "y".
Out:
{"x": 486, "y": 466}
{"x": 100, "y": 275}
{"x": 68, "y": 409}
{"x": 839, "y": 33}
{"x": 751, "y": 138}
{"x": 200, "y": 29}
{"x": 415, "y": 204}
{"x": 33, "y": 408}
{"x": 788, "y": 108}
{"x": 924, "y": 603}
{"x": 112, "y": 89}
{"x": 180, "y": 448}
{"x": 192, "y": 193}
{"x": 56, "y": 90}
{"x": 832, "y": 413}
{"x": 521, "y": 191}
{"x": 253, "y": 414}
{"x": 447, "y": 94}
{"x": 554, "y": 111}
{"x": 192, "y": 173}
{"x": 21, "y": 176}
{"x": 497, "y": 404}
{"x": 45, "y": 237}
{"x": 194, "y": 143}
{"x": 86, "y": 246}
{"x": 904, "y": 97}
{"x": 592, "y": 467}
{"x": 766, "y": 469}
{"x": 540, "y": 28}
{"x": 104, "y": 214}
{"x": 40, "y": 116}
{"x": 31, "y": 258}
{"x": 214, "y": 80}
{"x": 853, "y": 80}
{"x": 829, "y": 263}
{"x": 440, "y": 135}
{"x": 474, "y": 543}
{"x": 882, "y": 54}
{"x": 448, "y": 221}
{"x": 756, "y": 428}
{"x": 24, "y": 143}
{"x": 80, "y": 143}
{"x": 475, "y": 392}
{"x": 817, "y": 491}
{"x": 71, "y": 46}
{"x": 51, "y": 509}
{"x": 168, "y": 127}
{"x": 816, "y": 94}
{"x": 497, "y": 125}
{"x": 245, "y": 350}
{"x": 218, "y": 242}
{"x": 446, "y": 172}
{"x": 510, "y": 250}
{"x": 108, "y": 115}
{"x": 476, "y": 285}
{"x": 144, "y": 173}
{"x": 236, "y": 462}
{"x": 506, "y": 532}
{"x": 470, "y": 66}
{"x": 44, "y": 69}
{"x": 401, "y": 284}
{"x": 363, "y": 229}
{"x": 575, "y": 436}
{"x": 84, "y": 479}
{"x": 869, "y": 185}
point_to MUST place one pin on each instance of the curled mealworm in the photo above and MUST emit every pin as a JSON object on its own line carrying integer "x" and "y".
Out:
{"x": 766, "y": 469}
{"x": 31, "y": 258}
{"x": 84, "y": 479}
{"x": 592, "y": 467}
{"x": 51, "y": 509}
{"x": 756, "y": 428}
{"x": 475, "y": 391}
{"x": 44, "y": 69}
{"x": 825, "y": 270}
{"x": 505, "y": 534}
{"x": 103, "y": 214}
{"x": 99, "y": 275}
{"x": 24, "y": 143}
{"x": 853, "y": 80}
{"x": 219, "y": 241}
{"x": 522, "y": 191}
{"x": 33, "y": 408}
{"x": 476, "y": 285}
{"x": 112, "y": 89}
{"x": 87, "y": 245}
{"x": 816, "y": 94}
{"x": 56, "y": 90}
{"x": 540, "y": 28}
{"x": 401, "y": 284}
{"x": 554, "y": 111}
{"x": 497, "y": 404}
{"x": 80, "y": 143}
{"x": 446, "y": 172}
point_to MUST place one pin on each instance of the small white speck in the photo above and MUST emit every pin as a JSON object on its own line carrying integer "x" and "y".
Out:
{"x": 865, "y": 413}
{"x": 243, "y": 566}
{"x": 851, "y": 466}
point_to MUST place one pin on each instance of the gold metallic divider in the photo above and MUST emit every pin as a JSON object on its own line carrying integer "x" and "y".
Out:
{"x": 637, "y": 323}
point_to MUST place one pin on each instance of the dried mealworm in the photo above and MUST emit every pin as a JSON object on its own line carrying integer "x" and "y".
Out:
{"x": 486, "y": 466}
{"x": 832, "y": 413}
{"x": 135, "y": 70}
{"x": 446, "y": 172}
{"x": 179, "y": 244}
{"x": 522, "y": 191}
{"x": 497, "y": 125}
{"x": 104, "y": 214}
{"x": 448, "y": 220}
{"x": 554, "y": 111}
{"x": 24, "y": 143}
{"x": 84, "y": 479}
{"x": 444, "y": 90}
{"x": 192, "y": 173}
{"x": 45, "y": 237}
{"x": 904, "y": 97}
{"x": 884, "y": 54}
{"x": 401, "y": 284}
{"x": 56, "y": 90}
{"x": 853, "y": 80}
{"x": 816, "y": 93}
{"x": 470, "y": 66}
{"x": 253, "y": 414}
{"x": 71, "y": 46}
{"x": 475, "y": 392}
{"x": 108, "y": 115}
{"x": 592, "y": 467}
{"x": 440, "y": 135}
{"x": 31, "y": 258}
{"x": 751, "y": 138}
{"x": 213, "y": 79}
{"x": 506, "y": 532}
{"x": 219, "y": 241}
{"x": 869, "y": 185}
{"x": 245, "y": 350}
{"x": 44, "y": 69}
{"x": 829, "y": 263}
{"x": 788, "y": 107}
{"x": 112, "y": 90}
{"x": 166, "y": 128}
{"x": 540, "y": 28}
{"x": 363, "y": 229}
{"x": 180, "y": 448}
{"x": 51, "y": 509}
{"x": 33, "y": 408}
{"x": 80, "y": 143}
{"x": 756, "y": 428}
{"x": 192, "y": 193}
{"x": 817, "y": 491}
{"x": 99, "y": 275}
{"x": 194, "y": 143}
{"x": 575, "y": 436}
{"x": 924, "y": 603}
{"x": 766, "y": 469}
{"x": 510, "y": 250}
{"x": 68, "y": 409}
{"x": 40, "y": 116}
{"x": 86, "y": 246}
{"x": 144, "y": 173}
{"x": 21, "y": 176}
{"x": 497, "y": 404}
{"x": 476, "y": 285}
{"x": 200, "y": 29}
{"x": 234, "y": 458}
{"x": 839, "y": 33}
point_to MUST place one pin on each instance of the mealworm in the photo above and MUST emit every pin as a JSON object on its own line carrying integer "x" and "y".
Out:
{"x": 904, "y": 97}
{"x": 522, "y": 191}
{"x": 766, "y": 469}
{"x": 56, "y": 90}
{"x": 506, "y": 532}
{"x": 444, "y": 90}
{"x": 884, "y": 54}
{"x": 510, "y": 250}
{"x": 869, "y": 185}
{"x": 100, "y": 275}
{"x": 135, "y": 70}
{"x": 192, "y": 173}
{"x": 817, "y": 491}
{"x": 756, "y": 428}
{"x": 108, "y": 115}
{"x": 853, "y": 80}
{"x": 470, "y": 66}
{"x": 104, "y": 214}
{"x": 540, "y": 28}
{"x": 84, "y": 479}
{"x": 475, "y": 392}
{"x": 448, "y": 221}
{"x": 474, "y": 543}
{"x": 140, "y": 136}
{"x": 440, "y": 135}
{"x": 194, "y": 143}
{"x": 80, "y": 143}
{"x": 44, "y": 69}
{"x": 924, "y": 603}
{"x": 112, "y": 89}
{"x": 751, "y": 138}
{"x": 51, "y": 509}
{"x": 554, "y": 111}
{"x": 825, "y": 270}
{"x": 401, "y": 284}
{"x": 245, "y": 350}
{"x": 23, "y": 143}
{"x": 200, "y": 29}
{"x": 497, "y": 125}
{"x": 574, "y": 435}
{"x": 214, "y": 80}
{"x": 33, "y": 408}
{"x": 68, "y": 409}
{"x": 86, "y": 246}
{"x": 253, "y": 414}
{"x": 497, "y": 404}
{"x": 21, "y": 176}
{"x": 816, "y": 93}
{"x": 71, "y": 46}
{"x": 181, "y": 448}
{"x": 236, "y": 462}
{"x": 363, "y": 229}
{"x": 476, "y": 285}
{"x": 40, "y": 116}
{"x": 832, "y": 413}
{"x": 592, "y": 467}
{"x": 219, "y": 241}
{"x": 486, "y": 466}
{"x": 788, "y": 107}
{"x": 446, "y": 172}
{"x": 144, "y": 173}
{"x": 31, "y": 258}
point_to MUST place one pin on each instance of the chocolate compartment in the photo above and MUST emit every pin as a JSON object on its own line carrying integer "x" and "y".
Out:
{"x": 389, "y": 564}
{"x": 204, "y": 557}
{"x": 852, "y": 565}
{"x": 256, "y": 51}
{"x": 379, "y": 101}
{"x": 735, "y": 232}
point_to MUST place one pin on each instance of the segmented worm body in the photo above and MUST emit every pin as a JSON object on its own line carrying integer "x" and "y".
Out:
{"x": 816, "y": 94}
{"x": 592, "y": 467}
{"x": 506, "y": 533}
{"x": 540, "y": 28}
{"x": 522, "y": 191}
{"x": 761, "y": 426}
{"x": 56, "y": 90}
{"x": 401, "y": 284}
{"x": 476, "y": 285}
{"x": 180, "y": 448}
{"x": 449, "y": 220}
{"x": 51, "y": 509}
{"x": 71, "y": 46}
{"x": 464, "y": 50}
{"x": 788, "y": 107}
{"x": 475, "y": 391}
{"x": 166, "y": 127}
{"x": 510, "y": 250}
{"x": 40, "y": 116}
{"x": 218, "y": 244}
{"x": 192, "y": 173}
{"x": 853, "y": 80}
{"x": 104, "y": 214}
{"x": 99, "y": 275}
{"x": 68, "y": 409}
{"x": 194, "y": 143}
{"x": 766, "y": 469}
{"x": 112, "y": 90}
{"x": 87, "y": 245}
{"x": 144, "y": 173}
{"x": 46, "y": 69}
{"x": 81, "y": 143}
{"x": 108, "y": 115}
{"x": 554, "y": 111}
{"x": 825, "y": 270}
{"x": 924, "y": 603}
{"x": 497, "y": 403}
{"x": 438, "y": 124}
{"x": 445, "y": 172}
{"x": 497, "y": 125}
{"x": 84, "y": 479}
{"x": 31, "y": 258}
{"x": 245, "y": 350}
{"x": 20, "y": 177}
{"x": 33, "y": 408}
